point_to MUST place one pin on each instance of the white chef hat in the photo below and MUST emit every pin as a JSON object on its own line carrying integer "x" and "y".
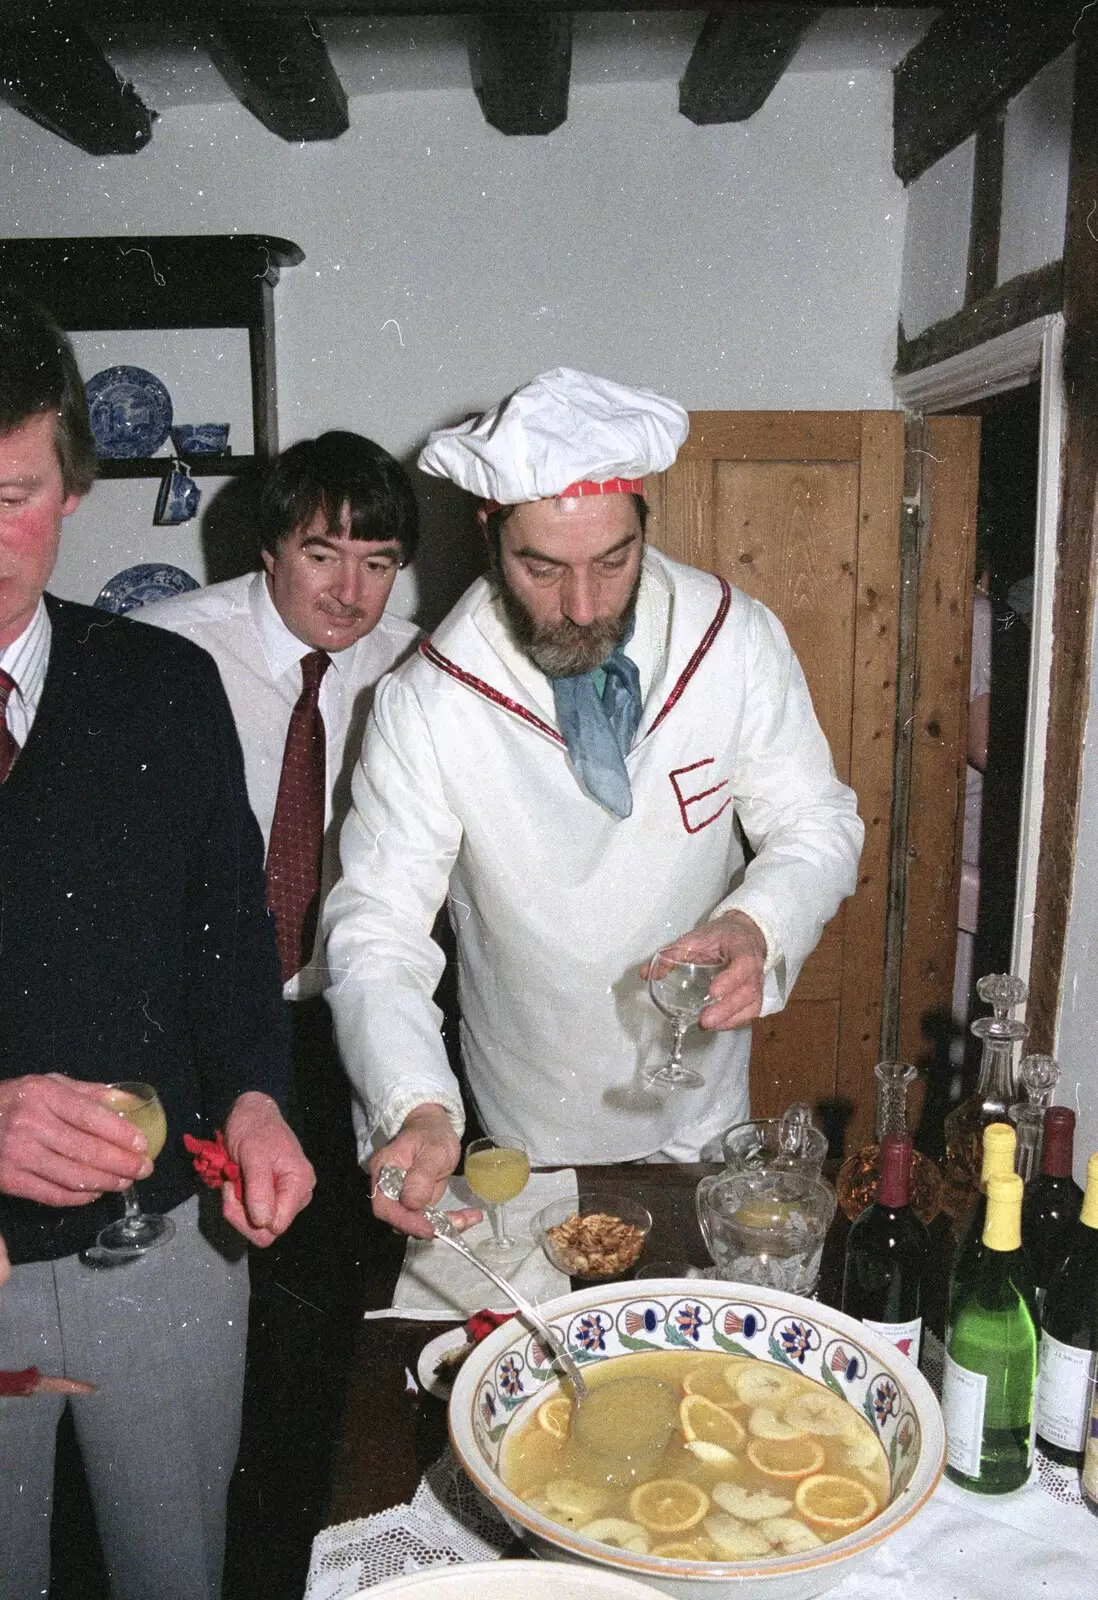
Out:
{"x": 563, "y": 433}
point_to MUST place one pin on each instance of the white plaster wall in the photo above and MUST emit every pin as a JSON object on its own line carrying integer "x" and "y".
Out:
{"x": 935, "y": 264}
{"x": 744, "y": 266}
{"x": 1036, "y": 152}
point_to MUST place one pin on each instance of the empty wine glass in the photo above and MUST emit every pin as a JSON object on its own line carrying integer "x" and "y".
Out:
{"x": 681, "y": 991}
{"x": 497, "y": 1170}
{"x": 137, "y": 1230}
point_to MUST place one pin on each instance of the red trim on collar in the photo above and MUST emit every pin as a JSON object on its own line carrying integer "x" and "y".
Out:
{"x": 697, "y": 658}
{"x": 478, "y": 685}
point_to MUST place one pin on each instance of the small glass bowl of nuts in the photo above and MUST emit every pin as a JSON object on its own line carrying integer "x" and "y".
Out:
{"x": 598, "y": 1235}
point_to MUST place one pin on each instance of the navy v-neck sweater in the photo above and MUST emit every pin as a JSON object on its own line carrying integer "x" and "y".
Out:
{"x": 134, "y": 939}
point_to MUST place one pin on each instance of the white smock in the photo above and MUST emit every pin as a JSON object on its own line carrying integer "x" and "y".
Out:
{"x": 465, "y": 789}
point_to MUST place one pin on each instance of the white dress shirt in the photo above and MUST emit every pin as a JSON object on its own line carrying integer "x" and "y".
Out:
{"x": 260, "y": 664}
{"x": 25, "y": 661}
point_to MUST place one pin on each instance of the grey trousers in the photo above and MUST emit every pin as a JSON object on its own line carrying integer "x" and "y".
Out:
{"x": 163, "y": 1337}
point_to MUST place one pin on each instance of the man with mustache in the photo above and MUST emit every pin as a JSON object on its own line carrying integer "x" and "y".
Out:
{"x": 300, "y": 646}
{"x": 571, "y": 758}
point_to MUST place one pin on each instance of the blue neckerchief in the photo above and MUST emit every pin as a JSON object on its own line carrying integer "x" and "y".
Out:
{"x": 599, "y": 728}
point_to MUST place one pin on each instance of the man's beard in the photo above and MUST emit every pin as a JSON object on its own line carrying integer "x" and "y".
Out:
{"x": 564, "y": 649}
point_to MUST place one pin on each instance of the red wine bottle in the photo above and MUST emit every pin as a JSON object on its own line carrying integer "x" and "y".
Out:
{"x": 1052, "y": 1200}
{"x": 1069, "y": 1339}
{"x": 886, "y": 1255}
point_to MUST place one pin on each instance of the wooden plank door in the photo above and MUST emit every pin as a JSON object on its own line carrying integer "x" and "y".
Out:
{"x": 804, "y": 512}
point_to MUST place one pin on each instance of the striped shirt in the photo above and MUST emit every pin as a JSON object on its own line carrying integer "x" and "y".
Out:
{"x": 25, "y": 661}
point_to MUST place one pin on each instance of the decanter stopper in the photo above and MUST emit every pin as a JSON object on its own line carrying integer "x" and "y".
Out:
{"x": 893, "y": 1078}
{"x": 1039, "y": 1076}
{"x": 1002, "y": 991}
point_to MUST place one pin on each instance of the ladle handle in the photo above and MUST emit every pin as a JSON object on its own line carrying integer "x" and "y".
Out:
{"x": 390, "y": 1178}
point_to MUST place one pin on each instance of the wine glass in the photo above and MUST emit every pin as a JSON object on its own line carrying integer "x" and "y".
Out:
{"x": 497, "y": 1170}
{"x": 136, "y": 1231}
{"x": 681, "y": 991}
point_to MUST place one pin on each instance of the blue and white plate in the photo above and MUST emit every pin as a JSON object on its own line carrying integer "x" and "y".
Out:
{"x": 130, "y": 412}
{"x": 141, "y": 585}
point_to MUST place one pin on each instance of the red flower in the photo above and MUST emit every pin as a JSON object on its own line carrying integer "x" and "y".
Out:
{"x": 482, "y": 1323}
{"x": 213, "y": 1163}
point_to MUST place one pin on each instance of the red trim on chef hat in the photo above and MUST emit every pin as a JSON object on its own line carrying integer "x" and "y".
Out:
{"x": 585, "y": 487}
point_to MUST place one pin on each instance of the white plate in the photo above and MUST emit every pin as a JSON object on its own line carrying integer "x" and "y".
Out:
{"x": 513, "y": 1580}
{"x": 429, "y": 1358}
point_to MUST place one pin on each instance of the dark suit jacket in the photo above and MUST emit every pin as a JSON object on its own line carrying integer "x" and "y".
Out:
{"x": 134, "y": 939}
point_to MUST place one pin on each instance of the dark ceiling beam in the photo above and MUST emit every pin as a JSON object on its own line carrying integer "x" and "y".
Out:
{"x": 973, "y": 59}
{"x": 280, "y": 70}
{"x": 738, "y": 59}
{"x": 61, "y": 79}
{"x": 521, "y": 67}
{"x": 210, "y": 11}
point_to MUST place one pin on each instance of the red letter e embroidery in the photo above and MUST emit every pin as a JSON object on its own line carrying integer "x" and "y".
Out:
{"x": 697, "y": 796}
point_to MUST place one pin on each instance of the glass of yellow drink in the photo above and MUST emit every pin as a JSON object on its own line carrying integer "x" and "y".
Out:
{"x": 497, "y": 1170}
{"x": 137, "y": 1230}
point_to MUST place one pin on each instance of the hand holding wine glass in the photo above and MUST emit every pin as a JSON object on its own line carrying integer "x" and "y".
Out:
{"x": 137, "y": 1230}
{"x": 497, "y": 1170}
{"x": 734, "y": 942}
{"x": 60, "y": 1145}
{"x": 680, "y": 988}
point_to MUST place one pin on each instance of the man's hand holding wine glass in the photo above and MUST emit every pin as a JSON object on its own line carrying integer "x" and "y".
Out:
{"x": 736, "y": 994}
{"x": 60, "y": 1145}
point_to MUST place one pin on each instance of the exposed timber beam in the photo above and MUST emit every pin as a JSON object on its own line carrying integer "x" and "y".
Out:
{"x": 1031, "y": 294}
{"x": 521, "y": 67}
{"x": 61, "y": 79}
{"x": 1065, "y": 827}
{"x": 973, "y": 59}
{"x": 738, "y": 59}
{"x": 210, "y": 11}
{"x": 279, "y": 69}
{"x": 985, "y": 219}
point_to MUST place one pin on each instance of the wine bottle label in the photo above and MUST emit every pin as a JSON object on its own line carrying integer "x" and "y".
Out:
{"x": 1065, "y": 1378}
{"x": 906, "y": 1336}
{"x": 1090, "y": 1459}
{"x": 963, "y": 1396}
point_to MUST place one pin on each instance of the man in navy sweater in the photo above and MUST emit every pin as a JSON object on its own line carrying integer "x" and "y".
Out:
{"x": 134, "y": 945}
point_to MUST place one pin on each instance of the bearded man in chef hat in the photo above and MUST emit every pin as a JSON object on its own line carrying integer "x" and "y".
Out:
{"x": 569, "y": 761}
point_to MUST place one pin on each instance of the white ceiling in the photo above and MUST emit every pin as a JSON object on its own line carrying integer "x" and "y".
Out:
{"x": 388, "y": 54}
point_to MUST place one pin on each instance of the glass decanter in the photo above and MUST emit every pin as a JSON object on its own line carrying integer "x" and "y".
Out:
{"x": 995, "y": 1093}
{"x": 856, "y": 1184}
{"x": 1039, "y": 1076}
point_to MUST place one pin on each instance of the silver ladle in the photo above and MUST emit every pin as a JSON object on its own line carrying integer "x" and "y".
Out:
{"x": 390, "y": 1182}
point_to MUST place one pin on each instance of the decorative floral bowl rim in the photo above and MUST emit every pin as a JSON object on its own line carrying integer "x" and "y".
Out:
{"x": 510, "y": 1368}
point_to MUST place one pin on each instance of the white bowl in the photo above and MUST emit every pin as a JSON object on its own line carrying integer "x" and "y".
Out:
{"x": 513, "y": 1580}
{"x": 507, "y": 1374}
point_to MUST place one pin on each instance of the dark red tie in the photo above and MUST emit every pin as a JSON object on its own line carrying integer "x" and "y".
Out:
{"x": 8, "y": 747}
{"x": 297, "y": 832}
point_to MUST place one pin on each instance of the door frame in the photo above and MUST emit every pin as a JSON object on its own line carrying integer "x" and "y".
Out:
{"x": 1013, "y": 361}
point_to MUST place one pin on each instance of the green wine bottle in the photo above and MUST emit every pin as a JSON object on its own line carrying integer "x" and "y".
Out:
{"x": 991, "y": 1359}
{"x": 998, "y": 1145}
